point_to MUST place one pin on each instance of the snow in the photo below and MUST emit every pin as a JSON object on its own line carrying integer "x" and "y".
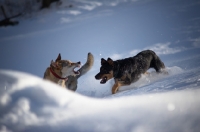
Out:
{"x": 163, "y": 103}
{"x": 104, "y": 90}
{"x": 155, "y": 103}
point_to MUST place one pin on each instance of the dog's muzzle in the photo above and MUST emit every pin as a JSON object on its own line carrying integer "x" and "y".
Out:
{"x": 98, "y": 76}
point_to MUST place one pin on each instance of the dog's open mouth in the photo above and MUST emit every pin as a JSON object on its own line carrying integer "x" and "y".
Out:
{"x": 104, "y": 79}
{"x": 76, "y": 70}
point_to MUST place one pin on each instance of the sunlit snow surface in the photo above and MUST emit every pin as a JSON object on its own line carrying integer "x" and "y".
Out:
{"x": 146, "y": 84}
{"x": 156, "y": 103}
{"x": 167, "y": 103}
{"x": 154, "y": 83}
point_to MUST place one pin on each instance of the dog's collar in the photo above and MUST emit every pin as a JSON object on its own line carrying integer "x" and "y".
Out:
{"x": 57, "y": 76}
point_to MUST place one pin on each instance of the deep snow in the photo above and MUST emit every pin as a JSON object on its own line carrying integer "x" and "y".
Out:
{"x": 156, "y": 103}
{"x": 168, "y": 103}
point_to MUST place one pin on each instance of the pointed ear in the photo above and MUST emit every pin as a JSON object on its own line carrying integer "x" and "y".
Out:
{"x": 53, "y": 63}
{"x": 59, "y": 57}
{"x": 110, "y": 61}
{"x": 103, "y": 61}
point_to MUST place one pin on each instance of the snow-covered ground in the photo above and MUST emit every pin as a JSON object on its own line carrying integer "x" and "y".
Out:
{"x": 156, "y": 103}
{"x": 28, "y": 103}
{"x": 104, "y": 90}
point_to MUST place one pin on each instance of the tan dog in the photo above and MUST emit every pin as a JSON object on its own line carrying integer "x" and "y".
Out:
{"x": 59, "y": 71}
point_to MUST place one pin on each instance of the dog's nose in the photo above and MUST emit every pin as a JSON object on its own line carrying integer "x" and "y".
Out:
{"x": 97, "y": 76}
{"x": 79, "y": 62}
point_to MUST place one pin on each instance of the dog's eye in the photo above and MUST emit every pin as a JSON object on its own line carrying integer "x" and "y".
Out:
{"x": 104, "y": 71}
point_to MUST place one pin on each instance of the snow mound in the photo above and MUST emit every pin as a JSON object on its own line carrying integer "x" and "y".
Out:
{"x": 28, "y": 103}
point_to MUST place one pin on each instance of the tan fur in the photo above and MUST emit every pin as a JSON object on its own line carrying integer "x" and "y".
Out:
{"x": 49, "y": 76}
{"x": 147, "y": 73}
{"x": 62, "y": 68}
{"x": 118, "y": 83}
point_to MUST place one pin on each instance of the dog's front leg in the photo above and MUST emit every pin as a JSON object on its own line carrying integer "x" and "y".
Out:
{"x": 119, "y": 83}
{"x": 115, "y": 87}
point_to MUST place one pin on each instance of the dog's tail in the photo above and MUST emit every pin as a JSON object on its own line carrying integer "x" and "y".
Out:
{"x": 87, "y": 66}
{"x": 158, "y": 63}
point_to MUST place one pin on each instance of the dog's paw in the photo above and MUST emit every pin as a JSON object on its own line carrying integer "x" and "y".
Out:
{"x": 165, "y": 72}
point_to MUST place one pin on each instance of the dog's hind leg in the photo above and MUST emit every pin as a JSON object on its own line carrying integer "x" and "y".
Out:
{"x": 146, "y": 73}
{"x": 160, "y": 67}
{"x": 157, "y": 64}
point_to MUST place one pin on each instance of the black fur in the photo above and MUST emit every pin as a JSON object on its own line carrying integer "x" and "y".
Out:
{"x": 129, "y": 70}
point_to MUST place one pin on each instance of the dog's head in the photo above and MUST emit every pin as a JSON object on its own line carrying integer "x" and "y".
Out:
{"x": 106, "y": 70}
{"x": 66, "y": 67}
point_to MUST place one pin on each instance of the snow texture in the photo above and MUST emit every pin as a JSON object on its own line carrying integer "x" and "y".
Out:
{"x": 156, "y": 103}
{"x": 167, "y": 103}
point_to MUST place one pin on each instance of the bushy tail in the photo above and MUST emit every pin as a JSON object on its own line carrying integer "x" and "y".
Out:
{"x": 158, "y": 64}
{"x": 87, "y": 66}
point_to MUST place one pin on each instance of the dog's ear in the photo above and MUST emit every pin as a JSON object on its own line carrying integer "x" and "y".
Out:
{"x": 110, "y": 61}
{"x": 59, "y": 57}
{"x": 53, "y": 63}
{"x": 103, "y": 61}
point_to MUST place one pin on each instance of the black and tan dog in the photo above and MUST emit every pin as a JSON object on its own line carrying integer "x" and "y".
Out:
{"x": 128, "y": 70}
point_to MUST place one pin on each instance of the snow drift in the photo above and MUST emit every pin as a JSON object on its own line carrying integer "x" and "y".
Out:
{"x": 28, "y": 103}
